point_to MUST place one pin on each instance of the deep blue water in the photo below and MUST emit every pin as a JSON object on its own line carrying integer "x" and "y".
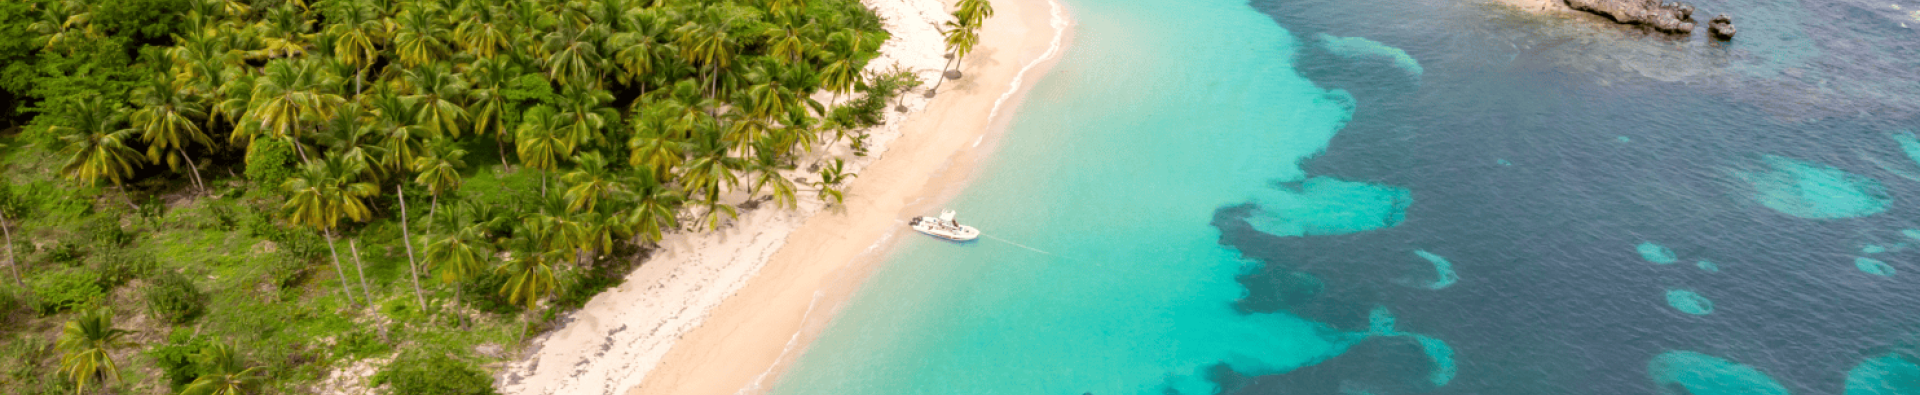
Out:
{"x": 1436, "y": 196}
{"x": 1539, "y": 153}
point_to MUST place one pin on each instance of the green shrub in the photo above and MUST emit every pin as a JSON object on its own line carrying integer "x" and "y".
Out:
{"x": 175, "y": 358}
{"x": 433, "y": 373}
{"x": 12, "y": 302}
{"x": 105, "y": 230}
{"x": 118, "y": 266}
{"x": 360, "y": 344}
{"x": 28, "y": 364}
{"x": 483, "y": 293}
{"x": 65, "y": 289}
{"x": 174, "y": 298}
{"x": 282, "y": 270}
{"x": 64, "y": 252}
{"x": 268, "y": 164}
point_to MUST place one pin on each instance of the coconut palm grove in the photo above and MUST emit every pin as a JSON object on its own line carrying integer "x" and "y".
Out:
{"x": 247, "y": 196}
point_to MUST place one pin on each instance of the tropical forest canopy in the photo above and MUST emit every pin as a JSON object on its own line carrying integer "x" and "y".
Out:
{"x": 327, "y": 118}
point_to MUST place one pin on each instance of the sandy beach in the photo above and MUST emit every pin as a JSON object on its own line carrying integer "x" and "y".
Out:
{"x": 724, "y": 311}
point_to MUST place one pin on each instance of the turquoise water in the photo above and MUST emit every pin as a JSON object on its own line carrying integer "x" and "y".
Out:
{"x": 1816, "y": 191}
{"x": 1656, "y": 253}
{"x": 1873, "y": 266}
{"x": 1702, "y": 374}
{"x": 1135, "y": 292}
{"x": 1379, "y": 197}
{"x": 1689, "y": 302}
{"x": 1892, "y": 374}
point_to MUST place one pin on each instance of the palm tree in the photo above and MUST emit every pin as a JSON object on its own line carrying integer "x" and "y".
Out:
{"x": 222, "y": 373}
{"x": 767, "y": 167}
{"x": 479, "y": 34}
{"x": 323, "y": 192}
{"x": 439, "y": 170}
{"x": 438, "y": 91}
{"x": 786, "y": 43}
{"x": 974, "y": 12}
{"x": 589, "y": 181}
{"x": 528, "y": 279}
{"x": 491, "y": 105}
{"x": 460, "y": 254}
{"x": 167, "y": 120}
{"x": 709, "y": 173}
{"x": 542, "y": 141}
{"x": 358, "y": 30}
{"x": 86, "y": 346}
{"x": 283, "y": 31}
{"x": 651, "y": 210}
{"x": 406, "y": 239}
{"x": 839, "y": 77}
{"x": 285, "y": 100}
{"x": 350, "y": 135}
{"x": 708, "y": 44}
{"x": 585, "y": 114}
{"x": 960, "y": 39}
{"x": 395, "y": 130}
{"x": 831, "y": 176}
{"x": 653, "y": 152}
{"x": 6, "y": 227}
{"x": 641, "y": 53}
{"x": 421, "y": 33}
{"x": 573, "y": 57}
{"x": 963, "y": 33}
{"x": 96, "y": 146}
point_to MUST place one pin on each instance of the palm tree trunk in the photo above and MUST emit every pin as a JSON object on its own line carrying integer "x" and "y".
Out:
{"x": 362, "y": 268}
{"x": 196, "y": 170}
{"x": 459, "y": 307}
{"x": 942, "y": 79}
{"x": 13, "y": 265}
{"x": 501, "y": 143}
{"x": 431, "y": 209}
{"x": 338, "y": 271}
{"x": 408, "y": 241}
{"x": 300, "y": 150}
{"x": 128, "y": 197}
{"x": 543, "y": 183}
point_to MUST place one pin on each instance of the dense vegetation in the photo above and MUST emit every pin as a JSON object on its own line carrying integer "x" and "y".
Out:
{"x": 240, "y": 196}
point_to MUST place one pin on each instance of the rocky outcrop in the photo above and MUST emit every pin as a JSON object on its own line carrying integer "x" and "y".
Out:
{"x": 1721, "y": 27}
{"x": 1672, "y": 18}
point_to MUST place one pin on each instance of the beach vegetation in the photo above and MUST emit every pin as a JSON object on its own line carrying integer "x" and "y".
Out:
{"x": 86, "y": 346}
{"x": 232, "y": 177}
{"x": 962, "y": 34}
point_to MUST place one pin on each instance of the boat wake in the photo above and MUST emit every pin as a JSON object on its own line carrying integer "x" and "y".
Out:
{"x": 1018, "y": 245}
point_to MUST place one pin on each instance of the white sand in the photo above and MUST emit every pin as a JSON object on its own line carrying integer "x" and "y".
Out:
{"x": 616, "y": 339}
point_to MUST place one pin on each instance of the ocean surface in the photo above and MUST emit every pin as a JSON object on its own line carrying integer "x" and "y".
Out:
{"x": 1426, "y": 196}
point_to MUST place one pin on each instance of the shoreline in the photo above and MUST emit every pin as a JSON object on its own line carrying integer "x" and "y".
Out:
{"x": 725, "y": 311}
{"x": 772, "y": 321}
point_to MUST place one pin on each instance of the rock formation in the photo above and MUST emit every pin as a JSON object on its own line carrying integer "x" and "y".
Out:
{"x": 1721, "y": 27}
{"x": 1672, "y": 18}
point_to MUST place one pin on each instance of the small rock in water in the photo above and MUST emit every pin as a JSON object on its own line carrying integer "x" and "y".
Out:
{"x": 1721, "y": 27}
{"x": 1671, "y": 18}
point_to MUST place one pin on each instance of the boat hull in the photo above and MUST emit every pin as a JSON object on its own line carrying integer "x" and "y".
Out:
{"x": 937, "y": 228}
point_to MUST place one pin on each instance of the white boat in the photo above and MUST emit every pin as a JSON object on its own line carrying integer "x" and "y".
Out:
{"x": 944, "y": 227}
